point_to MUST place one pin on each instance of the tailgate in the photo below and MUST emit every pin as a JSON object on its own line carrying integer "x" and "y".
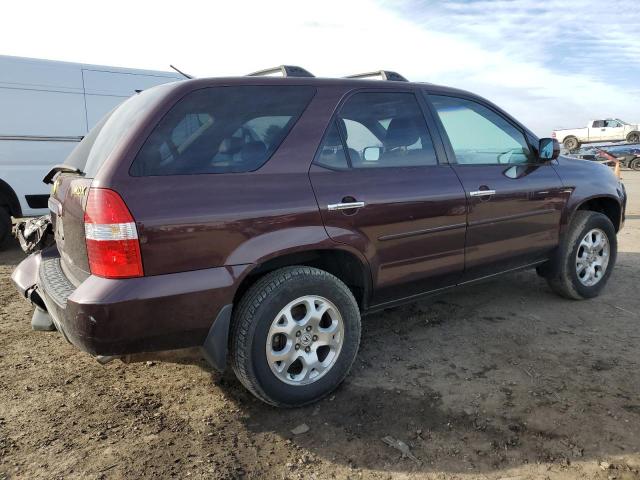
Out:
{"x": 67, "y": 202}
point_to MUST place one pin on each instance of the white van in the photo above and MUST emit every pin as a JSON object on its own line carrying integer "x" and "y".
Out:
{"x": 46, "y": 107}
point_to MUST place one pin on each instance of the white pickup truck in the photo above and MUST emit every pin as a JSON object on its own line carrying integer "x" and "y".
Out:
{"x": 608, "y": 130}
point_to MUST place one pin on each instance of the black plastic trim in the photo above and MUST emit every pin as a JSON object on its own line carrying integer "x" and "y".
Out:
{"x": 215, "y": 346}
{"x": 37, "y": 201}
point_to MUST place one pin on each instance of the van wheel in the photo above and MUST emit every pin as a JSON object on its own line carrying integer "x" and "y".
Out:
{"x": 294, "y": 336}
{"x": 586, "y": 259}
{"x": 5, "y": 226}
{"x": 571, "y": 143}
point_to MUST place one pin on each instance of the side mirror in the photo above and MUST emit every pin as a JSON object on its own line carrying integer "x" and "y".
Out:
{"x": 372, "y": 154}
{"x": 548, "y": 149}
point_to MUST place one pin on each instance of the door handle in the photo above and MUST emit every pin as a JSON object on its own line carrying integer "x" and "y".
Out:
{"x": 482, "y": 193}
{"x": 344, "y": 206}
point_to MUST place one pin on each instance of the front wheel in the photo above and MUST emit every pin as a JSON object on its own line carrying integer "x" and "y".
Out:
{"x": 633, "y": 137}
{"x": 635, "y": 164}
{"x": 295, "y": 335}
{"x": 586, "y": 258}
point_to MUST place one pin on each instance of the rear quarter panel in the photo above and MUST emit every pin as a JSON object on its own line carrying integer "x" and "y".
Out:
{"x": 190, "y": 222}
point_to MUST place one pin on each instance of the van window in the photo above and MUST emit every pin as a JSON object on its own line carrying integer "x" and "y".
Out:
{"x": 222, "y": 130}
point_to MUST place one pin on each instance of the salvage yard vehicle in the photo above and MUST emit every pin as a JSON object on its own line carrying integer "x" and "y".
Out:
{"x": 260, "y": 217}
{"x": 47, "y": 107}
{"x": 608, "y": 130}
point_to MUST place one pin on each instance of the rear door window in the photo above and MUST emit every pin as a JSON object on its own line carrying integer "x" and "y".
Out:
{"x": 222, "y": 130}
{"x": 380, "y": 130}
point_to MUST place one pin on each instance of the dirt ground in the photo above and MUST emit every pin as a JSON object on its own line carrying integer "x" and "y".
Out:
{"x": 502, "y": 380}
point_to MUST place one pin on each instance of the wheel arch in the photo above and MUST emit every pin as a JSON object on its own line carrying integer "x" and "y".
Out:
{"x": 350, "y": 267}
{"x": 604, "y": 204}
{"x": 9, "y": 199}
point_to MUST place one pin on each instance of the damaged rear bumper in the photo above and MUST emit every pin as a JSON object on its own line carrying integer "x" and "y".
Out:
{"x": 117, "y": 317}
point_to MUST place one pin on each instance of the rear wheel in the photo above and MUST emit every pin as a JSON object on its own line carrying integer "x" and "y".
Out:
{"x": 586, "y": 259}
{"x": 5, "y": 226}
{"x": 571, "y": 143}
{"x": 295, "y": 335}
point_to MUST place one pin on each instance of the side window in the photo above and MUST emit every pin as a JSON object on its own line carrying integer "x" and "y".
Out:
{"x": 612, "y": 123}
{"x": 386, "y": 130}
{"x": 478, "y": 135}
{"x": 331, "y": 153}
{"x": 222, "y": 130}
{"x": 598, "y": 124}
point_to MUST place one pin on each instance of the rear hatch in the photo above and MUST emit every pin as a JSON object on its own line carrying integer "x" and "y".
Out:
{"x": 70, "y": 191}
{"x": 67, "y": 202}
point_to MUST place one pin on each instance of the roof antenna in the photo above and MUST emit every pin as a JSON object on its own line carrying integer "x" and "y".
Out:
{"x": 181, "y": 72}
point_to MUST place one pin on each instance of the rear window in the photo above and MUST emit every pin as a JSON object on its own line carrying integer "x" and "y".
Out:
{"x": 97, "y": 145}
{"x": 222, "y": 130}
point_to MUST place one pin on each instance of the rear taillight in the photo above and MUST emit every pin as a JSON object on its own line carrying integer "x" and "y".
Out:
{"x": 112, "y": 238}
{"x": 553, "y": 134}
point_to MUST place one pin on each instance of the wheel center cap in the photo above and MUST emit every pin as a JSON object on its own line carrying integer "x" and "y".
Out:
{"x": 306, "y": 339}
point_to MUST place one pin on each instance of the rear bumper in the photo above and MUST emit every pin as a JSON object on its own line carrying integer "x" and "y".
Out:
{"x": 124, "y": 316}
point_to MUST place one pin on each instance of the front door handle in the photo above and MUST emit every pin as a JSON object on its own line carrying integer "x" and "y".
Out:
{"x": 482, "y": 193}
{"x": 344, "y": 206}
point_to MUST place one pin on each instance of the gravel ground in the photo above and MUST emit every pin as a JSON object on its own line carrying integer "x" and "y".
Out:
{"x": 499, "y": 380}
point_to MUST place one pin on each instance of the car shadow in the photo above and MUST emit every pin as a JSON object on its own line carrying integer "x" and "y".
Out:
{"x": 492, "y": 377}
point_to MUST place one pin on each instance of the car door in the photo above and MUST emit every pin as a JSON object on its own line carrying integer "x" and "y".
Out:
{"x": 614, "y": 130}
{"x": 515, "y": 200}
{"x": 381, "y": 189}
{"x": 597, "y": 131}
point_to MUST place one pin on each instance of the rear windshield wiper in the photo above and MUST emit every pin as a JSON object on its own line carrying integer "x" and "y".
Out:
{"x": 60, "y": 168}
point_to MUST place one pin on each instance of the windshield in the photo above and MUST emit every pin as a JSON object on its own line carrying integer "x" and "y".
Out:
{"x": 622, "y": 122}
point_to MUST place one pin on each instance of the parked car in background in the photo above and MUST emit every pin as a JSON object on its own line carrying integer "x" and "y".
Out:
{"x": 608, "y": 130}
{"x": 260, "y": 217}
{"x": 47, "y": 107}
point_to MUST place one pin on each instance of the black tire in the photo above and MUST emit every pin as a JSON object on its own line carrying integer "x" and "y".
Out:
{"x": 633, "y": 137}
{"x": 571, "y": 143}
{"x": 254, "y": 316}
{"x": 564, "y": 278}
{"x": 635, "y": 164}
{"x": 5, "y": 226}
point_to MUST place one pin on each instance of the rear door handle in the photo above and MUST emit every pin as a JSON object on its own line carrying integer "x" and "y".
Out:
{"x": 344, "y": 206}
{"x": 482, "y": 193}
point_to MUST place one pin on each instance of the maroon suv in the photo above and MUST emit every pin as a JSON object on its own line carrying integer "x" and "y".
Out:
{"x": 260, "y": 217}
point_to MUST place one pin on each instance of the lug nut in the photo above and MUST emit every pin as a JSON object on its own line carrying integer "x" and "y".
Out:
{"x": 309, "y": 328}
{"x": 315, "y": 337}
{"x": 297, "y": 346}
{"x": 298, "y": 333}
{"x": 307, "y": 349}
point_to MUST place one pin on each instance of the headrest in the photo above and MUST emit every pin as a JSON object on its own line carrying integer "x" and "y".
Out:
{"x": 231, "y": 145}
{"x": 253, "y": 152}
{"x": 402, "y": 132}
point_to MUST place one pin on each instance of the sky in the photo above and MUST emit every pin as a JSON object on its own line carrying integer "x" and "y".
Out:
{"x": 552, "y": 63}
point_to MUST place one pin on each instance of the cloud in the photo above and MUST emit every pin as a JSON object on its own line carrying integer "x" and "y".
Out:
{"x": 557, "y": 63}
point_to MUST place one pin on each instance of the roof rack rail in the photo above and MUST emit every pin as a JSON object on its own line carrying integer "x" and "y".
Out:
{"x": 383, "y": 74}
{"x": 286, "y": 70}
